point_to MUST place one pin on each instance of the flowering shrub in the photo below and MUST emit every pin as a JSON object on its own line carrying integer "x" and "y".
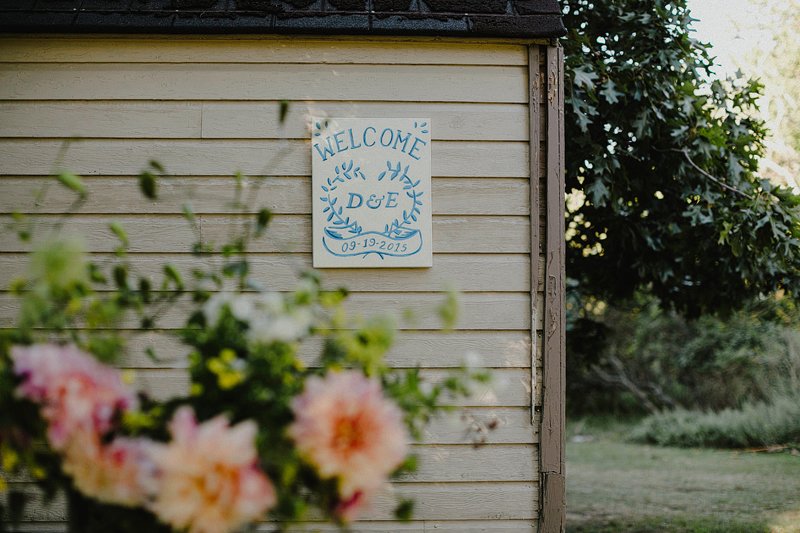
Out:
{"x": 260, "y": 435}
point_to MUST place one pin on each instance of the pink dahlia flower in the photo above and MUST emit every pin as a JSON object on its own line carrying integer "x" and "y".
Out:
{"x": 119, "y": 472}
{"x": 77, "y": 392}
{"x": 208, "y": 477}
{"x": 347, "y": 429}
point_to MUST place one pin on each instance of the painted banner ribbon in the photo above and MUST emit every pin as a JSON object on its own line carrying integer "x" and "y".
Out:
{"x": 372, "y": 242}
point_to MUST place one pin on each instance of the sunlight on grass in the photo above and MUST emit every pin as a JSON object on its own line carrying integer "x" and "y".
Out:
{"x": 788, "y": 522}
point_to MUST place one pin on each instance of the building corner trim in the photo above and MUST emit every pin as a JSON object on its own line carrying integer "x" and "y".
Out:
{"x": 552, "y": 442}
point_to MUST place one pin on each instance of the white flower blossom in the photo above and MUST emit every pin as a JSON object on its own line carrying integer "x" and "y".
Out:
{"x": 243, "y": 307}
{"x": 287, "y": 327}
{"x": 213, "y": 307}
{"x": 268, "y": 317}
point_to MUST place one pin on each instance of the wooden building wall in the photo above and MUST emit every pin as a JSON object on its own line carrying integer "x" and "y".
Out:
{"x": 208, "y": 107}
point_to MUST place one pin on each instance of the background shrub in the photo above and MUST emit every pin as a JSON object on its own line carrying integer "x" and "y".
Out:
{"x": 776, "y": 422}
{"x": 640, "y": 359}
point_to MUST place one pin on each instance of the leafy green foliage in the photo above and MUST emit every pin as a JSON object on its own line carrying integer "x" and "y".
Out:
{"x": 661, "y": 166}
{"x": 776, "y": 422}
{"x": 645, "y": 359}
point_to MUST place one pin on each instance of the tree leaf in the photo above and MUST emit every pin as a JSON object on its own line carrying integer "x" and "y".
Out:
{"x": 584, "y": 77}
{"x": 73, "y": 183}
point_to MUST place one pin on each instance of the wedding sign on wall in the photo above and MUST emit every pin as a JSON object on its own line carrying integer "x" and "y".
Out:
{"x": 371, "y": 192}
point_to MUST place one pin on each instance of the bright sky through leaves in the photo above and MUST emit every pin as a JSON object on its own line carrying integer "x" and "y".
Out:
{"x": 749, "y": 35}
{"x": 733, "y": 27}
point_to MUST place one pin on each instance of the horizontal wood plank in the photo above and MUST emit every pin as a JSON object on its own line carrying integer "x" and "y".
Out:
{"x": 262, "y": 50}
{"x": 287, "y": 233}
{"x": 469, "y": 425}
{"x": 434, "y": 501}
{"x": 417, "y": 526}
{"x": 509, "y": 387}
{"x": 510, "y": 500}
{"x": 110, "y": 119}
{"x": 486, "y": 349}
{"x": 449, "y": 121}
{"x": 228, "y": 81}
{"x": 282, "y": 195}
{"x": 224, "y": 158}
{"x": 462, "y": 272}
{"x": 454, "y": 463}
{"x": 246, "y": 120}
{"x": 494, "y": 349}
{"x": 492, "y": 462}
{"x": 485, "y": 311}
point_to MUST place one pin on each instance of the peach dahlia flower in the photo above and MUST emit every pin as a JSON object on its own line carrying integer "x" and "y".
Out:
{"x": 76, "y": 391}
{"x": 347, "y": 429}
{"x": 119, "y": 472}
{"x": 208, "y": 478}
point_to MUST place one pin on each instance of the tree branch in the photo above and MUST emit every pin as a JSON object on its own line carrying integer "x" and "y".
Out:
{"x": 622, "y": 380}
{"x": 712, "y": 178}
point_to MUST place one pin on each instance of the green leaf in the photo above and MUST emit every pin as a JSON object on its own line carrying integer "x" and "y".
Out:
{"x": 120, "y": 273}
{"x": 236, "y": 268}
{"x": 598, "y": 192}
{"x": 404, "y": 510}
{"x": 610, "y": 92}
{"x": 188, "y": 212}
{"x": 410, "y": 464}
{"x": 173, "y": 276}
{"x": 73, "y": 183}
{"x": 116, "y": 229}
{"x": 200, "y": 249}
{"x": 96, "y": 275}
{"x": 263, "y": 219}
{"x": 448, "y": 310}
{"x": 283, "y": 111}
{"x": 144, "y": 289}
{"x": 148, "y": 184}
{"x": 151, "y": 354}
{"x": 584, "y": 77}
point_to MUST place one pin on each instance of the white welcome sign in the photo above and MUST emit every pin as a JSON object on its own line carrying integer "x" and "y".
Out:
{"x": 371, "y": 191}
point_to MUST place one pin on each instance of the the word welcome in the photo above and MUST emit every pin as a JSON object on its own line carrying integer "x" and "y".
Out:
{"x": 351, "y": 140}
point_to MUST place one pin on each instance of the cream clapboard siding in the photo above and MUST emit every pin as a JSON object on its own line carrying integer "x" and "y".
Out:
{"x": 207, "y": 108}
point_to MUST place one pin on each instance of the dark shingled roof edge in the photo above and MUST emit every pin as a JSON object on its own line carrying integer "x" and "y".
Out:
{"x": 455, "y": 18}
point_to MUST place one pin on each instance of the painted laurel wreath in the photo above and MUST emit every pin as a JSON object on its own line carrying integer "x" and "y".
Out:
{"x": 399, "y": 228}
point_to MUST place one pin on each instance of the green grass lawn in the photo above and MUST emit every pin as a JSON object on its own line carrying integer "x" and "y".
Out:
{"x": 613, "y": 486}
